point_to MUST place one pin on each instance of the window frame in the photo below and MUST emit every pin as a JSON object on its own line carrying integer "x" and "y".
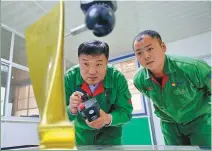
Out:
{"x": 7, "y": 116}
{"x": 5, "y": 95}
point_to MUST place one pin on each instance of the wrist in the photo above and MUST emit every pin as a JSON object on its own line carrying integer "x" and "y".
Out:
{"x": 73, "y": 111}
{"x": 108, "y": 119}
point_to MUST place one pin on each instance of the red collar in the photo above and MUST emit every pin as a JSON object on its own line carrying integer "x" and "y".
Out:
{"x": 99, "y": 89}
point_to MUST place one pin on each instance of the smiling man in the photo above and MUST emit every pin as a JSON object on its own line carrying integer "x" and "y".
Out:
{"x": 180, "y": 88}
{"x": 98, "y": 80}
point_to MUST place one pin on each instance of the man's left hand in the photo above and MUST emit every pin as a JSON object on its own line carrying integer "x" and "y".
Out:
{"x": 100, "y": 122}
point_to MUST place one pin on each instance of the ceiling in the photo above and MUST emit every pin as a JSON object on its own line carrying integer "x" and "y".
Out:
{"x": 174, "y": 20}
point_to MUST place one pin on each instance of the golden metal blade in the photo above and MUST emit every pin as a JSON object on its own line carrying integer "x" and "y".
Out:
{"x": 45, "y": 52}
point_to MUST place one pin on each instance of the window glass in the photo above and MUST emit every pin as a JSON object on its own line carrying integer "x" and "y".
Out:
{"x": 19, "y": 51}
{"x": 5, "y": 43}
{"x": 22, "y": 100}
{"x": 128, "y": 68}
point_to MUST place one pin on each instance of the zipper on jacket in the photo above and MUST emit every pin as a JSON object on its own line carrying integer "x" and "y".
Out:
{"x": 162, "y": 98}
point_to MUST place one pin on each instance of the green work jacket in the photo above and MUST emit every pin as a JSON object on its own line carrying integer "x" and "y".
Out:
{"x": 185, "y": 93}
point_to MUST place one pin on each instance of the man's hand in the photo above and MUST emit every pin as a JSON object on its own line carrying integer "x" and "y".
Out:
{"x": 74, "y": 101}
{"x": 103, "y": 120}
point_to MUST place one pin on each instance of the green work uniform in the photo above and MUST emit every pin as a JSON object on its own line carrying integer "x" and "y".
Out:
{"x": 113, "y": 97}
{"x": 181, "y": 101}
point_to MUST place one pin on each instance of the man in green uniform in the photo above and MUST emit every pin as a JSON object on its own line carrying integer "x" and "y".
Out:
{"x": 180, "y": 88}
{"x": 99, "y": 80}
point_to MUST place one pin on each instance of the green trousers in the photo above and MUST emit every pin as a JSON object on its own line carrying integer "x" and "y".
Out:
{"x": 86, "y": 137}
{"x": 195, "y": 133}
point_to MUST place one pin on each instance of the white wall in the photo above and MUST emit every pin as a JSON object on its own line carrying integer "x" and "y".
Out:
{"x": 195, "y": 46}
{"x": 19, "y": 132}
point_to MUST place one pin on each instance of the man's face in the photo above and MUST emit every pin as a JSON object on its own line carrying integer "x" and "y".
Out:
{"x": 93, "y": 68}
{"x": 150, "y": 53}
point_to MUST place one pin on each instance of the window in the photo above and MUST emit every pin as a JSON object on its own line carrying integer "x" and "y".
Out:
{"x": 4, "y": 77}
{"x": 5, "y": 43}
{"x": 128, "y": 68}
{"x": 22, "y": 100}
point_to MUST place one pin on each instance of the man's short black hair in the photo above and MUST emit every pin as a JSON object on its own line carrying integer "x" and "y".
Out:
{"x": 151, "y": 33}
{"x": 94, "y": 47}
